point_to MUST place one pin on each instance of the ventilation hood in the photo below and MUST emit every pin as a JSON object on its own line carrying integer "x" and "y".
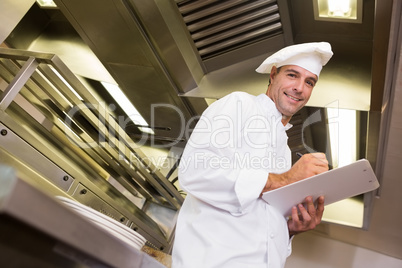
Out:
{"x": 160, "y": 52}
{"x": 180, "y": 52}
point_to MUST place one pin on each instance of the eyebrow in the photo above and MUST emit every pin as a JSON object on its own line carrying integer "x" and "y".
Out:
{"x": 297, "y": 72}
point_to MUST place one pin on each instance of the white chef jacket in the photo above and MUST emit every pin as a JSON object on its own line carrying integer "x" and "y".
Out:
{"x": 223, "y": 222}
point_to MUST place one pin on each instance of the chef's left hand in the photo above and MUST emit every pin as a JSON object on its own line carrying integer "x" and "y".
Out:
{"x": 308, "y": 218}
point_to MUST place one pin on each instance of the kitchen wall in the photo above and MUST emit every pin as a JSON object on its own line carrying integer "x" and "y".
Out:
{"x": 314, "y": 251}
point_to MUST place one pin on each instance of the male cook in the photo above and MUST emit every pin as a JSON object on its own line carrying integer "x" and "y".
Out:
{"x": 237, "y": 151}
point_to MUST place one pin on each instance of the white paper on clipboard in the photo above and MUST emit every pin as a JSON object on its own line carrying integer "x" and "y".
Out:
{"x": 335, "y": 185}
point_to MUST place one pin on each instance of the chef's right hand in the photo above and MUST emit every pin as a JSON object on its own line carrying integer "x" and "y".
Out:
{"x": 308, "y": 165}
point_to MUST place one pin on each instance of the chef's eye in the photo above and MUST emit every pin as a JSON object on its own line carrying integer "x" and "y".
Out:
{"x": 311, "y": 83}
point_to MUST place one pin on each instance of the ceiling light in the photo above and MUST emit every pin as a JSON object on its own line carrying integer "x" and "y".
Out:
{"x": 342, "y": 134}
{"x": 127, "y": 107}
{"x": 46, "y": 3}
{"x": 338, "y": 10}
{"x": 342, "y": 126}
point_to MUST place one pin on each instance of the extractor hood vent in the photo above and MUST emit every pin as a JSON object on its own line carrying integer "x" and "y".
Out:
{"x": 218, "y": 27}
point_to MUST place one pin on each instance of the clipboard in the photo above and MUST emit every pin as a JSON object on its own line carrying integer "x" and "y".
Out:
{"x": 335, "y": 185}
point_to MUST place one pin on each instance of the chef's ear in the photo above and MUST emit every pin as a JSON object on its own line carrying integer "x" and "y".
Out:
{"x": 273, "y": 73}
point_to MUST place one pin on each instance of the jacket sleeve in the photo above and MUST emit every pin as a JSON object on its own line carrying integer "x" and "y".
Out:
{"x": 222, "y": 163}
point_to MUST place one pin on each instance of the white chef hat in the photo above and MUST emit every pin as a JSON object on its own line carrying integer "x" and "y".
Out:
{"x": 310, "y": 56}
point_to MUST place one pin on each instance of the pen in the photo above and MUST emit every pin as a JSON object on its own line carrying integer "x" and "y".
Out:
{"x": 300, "y": 155}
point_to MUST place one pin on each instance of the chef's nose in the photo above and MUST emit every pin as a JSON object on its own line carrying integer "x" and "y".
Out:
{"x": 298, "y": 85}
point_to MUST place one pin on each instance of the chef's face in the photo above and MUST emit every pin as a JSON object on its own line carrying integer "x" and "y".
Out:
{"x": 290, "y": 89}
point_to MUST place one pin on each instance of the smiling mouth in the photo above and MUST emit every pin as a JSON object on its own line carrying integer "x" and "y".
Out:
{"x": 292, "y": 98}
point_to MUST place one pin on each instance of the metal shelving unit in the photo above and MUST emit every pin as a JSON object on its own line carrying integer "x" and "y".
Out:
{"x": 54, "y": 126}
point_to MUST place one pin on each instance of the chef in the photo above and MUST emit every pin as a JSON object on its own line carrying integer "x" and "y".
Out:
{"x": 237, "y": 151}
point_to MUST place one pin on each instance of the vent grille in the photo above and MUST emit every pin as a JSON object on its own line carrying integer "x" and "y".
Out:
{"x": 217, "y": 26}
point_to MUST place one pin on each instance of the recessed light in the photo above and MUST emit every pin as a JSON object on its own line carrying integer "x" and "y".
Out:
{"x": 46, "y": 3}
{"x": 338, "y": 10}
